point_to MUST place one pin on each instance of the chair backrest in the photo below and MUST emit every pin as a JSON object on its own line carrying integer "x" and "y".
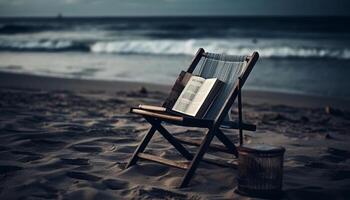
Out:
{"x": 226, "y": 68}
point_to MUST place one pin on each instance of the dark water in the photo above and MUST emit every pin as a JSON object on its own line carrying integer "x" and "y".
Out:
{"x": 306, "y": 55}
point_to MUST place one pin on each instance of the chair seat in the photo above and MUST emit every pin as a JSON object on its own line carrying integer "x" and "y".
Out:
{"x": 161, "y": 114}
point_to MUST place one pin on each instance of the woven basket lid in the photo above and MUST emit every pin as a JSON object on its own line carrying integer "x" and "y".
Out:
{"x": 261, "y": 148}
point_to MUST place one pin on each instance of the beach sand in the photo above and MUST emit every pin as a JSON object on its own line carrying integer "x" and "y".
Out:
{"x": 71, "y": 139}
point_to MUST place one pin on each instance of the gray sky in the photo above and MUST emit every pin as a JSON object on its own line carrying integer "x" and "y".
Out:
{"x": 172, "y": 7}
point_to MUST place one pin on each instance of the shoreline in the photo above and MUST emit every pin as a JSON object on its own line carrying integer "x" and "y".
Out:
{"x": 9, "y": 80}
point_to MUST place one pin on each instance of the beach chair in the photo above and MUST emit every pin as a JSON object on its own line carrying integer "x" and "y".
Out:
{"x": 233, "y": 71}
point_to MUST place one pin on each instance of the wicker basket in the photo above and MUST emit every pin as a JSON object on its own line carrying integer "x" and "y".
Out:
{"x": 260, "y": 170}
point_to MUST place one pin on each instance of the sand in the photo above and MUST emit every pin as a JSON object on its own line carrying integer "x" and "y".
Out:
{"x": 71, "y": 139}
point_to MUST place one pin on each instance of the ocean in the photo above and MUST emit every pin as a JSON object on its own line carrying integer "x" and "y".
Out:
{"x": 298, "y": 55}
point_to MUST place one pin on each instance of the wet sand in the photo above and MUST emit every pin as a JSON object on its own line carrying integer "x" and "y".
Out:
{"x": 71, "y": 139}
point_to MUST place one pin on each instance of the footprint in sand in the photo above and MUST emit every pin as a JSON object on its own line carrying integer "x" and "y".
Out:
{"x": 27, "y": 156}
{"x": 88, "y": 149}
{"x": 340, "y": 174}
{"x": 336, "y": 155}
{"x": 159, "y": 193}
{"x": 82, "y": 176}
{"x": 115, "y": 184}
{"x": 48, "y": 142}
{"x": 3, "y": 148}
{"x": 30, "y": 158}
{"x": 151, "y": 169}
{"x": 76, "y": 161}
{"x": 9, "y": 168}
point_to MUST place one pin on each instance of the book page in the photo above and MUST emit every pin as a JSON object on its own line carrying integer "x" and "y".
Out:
{"x": 188, "y": 94}
{"x": 200, "y": 96}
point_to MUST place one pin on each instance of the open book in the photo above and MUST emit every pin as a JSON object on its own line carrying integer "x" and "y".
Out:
{"x": 197, "y": 96}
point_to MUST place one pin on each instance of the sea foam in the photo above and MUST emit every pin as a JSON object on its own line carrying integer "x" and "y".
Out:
{"x": 188, "y": 47}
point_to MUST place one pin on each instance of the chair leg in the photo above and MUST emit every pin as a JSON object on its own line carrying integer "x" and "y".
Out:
{"x": 198, "y": 157}
{"x": 240, "y": 121}
{"x": 178, "y": 146}
{"x": 146, "y": 139}
{"x": 227, "y": 142}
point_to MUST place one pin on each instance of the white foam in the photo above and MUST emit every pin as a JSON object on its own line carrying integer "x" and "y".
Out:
{"x": 187, "y": 47}
{"x": 48, "y": 44}
{"x": 163, "y": 47}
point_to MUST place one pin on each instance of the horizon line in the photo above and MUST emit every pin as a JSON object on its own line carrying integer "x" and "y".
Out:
{"x": 60, "y": 15}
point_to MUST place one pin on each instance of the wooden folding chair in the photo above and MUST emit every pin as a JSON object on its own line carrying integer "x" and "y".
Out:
{"x": 221, "y": 67}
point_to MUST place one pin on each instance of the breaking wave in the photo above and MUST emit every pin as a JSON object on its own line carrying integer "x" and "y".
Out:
{"x": 188, "y": 47}
{"x": 44, "y": 45}
{"x": 175, "y": 47}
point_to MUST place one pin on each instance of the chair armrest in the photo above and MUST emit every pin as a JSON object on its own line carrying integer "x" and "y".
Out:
{"x": 152, "y": 108}
{"x": 156, "y": 115}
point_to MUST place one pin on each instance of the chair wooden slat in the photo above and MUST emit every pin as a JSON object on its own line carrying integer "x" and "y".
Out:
{"x": 152, "y": 108}
{"x": 180, "y": 165}
{"x": 157, "y": 115}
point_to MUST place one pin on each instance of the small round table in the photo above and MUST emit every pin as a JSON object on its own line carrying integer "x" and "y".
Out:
{"x": 260, "y": 170}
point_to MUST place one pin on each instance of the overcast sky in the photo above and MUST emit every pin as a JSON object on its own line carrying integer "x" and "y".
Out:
{"x": 172, "y": 7}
